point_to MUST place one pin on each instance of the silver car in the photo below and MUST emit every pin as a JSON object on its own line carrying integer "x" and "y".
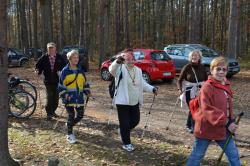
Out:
{"x": 179, "y": 53}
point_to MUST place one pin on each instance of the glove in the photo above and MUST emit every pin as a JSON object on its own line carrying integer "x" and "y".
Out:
{"x": 120, "y": 60}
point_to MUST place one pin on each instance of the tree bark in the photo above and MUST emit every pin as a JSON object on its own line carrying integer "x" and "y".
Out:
{"x": 102, "y": 27}
{"x": 5, "y": 158}
{"x": 127, "y": 24}
{"x": 173, "y": 20}
{"x": 62, "y": 24}
{"x": 24, "y": 30}
{"x": 77, "y": 21}
{"x": 82, "y": 19}
{"x": 46, "y": 7}
{"x": 35, "y": 43}
{"x": 117, "y": 26}
{"x": 232, "y": 34}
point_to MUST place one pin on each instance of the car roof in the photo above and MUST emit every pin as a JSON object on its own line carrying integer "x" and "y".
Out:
{"x": 196, "y": 46}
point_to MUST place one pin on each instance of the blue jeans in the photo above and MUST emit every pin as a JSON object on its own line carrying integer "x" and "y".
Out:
{"x": 201, "y": 145}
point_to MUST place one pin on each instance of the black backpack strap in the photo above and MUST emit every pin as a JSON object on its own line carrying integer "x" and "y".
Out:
{"x": 72, "y": 80}
{"x": 119, "y": 80}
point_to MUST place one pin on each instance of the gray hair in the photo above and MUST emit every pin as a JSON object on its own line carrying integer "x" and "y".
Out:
{"x": 72, "y": 53}
{"x": 194, "y": 51}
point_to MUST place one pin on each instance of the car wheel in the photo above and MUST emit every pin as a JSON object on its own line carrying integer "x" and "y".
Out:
{"x": 105, "y": 74}
{"x": 24, "y": 63}
{"x": 146, "y": 77}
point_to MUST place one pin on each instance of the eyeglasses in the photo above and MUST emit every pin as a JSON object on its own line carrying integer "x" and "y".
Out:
{"x": 218, "y": 69}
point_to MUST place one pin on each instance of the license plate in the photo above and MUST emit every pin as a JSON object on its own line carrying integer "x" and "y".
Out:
{"x": 167, "y": 74}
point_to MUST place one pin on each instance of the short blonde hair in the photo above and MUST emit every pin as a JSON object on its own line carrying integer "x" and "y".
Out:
{"x": 72, "y": 53}
{"x": 194, "y": 51}
{"x": 218, "y": 61}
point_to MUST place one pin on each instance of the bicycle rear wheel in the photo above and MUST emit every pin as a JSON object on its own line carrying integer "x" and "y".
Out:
{"x": 28, "y": 87}
{"x": 22, "y": 104}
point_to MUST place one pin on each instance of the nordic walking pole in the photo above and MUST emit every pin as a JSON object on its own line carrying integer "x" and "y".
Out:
{"x": 170, "y": 119}
{"x": 57, "y": 120}
{"x": 148, "y": 114}
{"x": 228, "y": 139}
{"x": 85, "y": 106}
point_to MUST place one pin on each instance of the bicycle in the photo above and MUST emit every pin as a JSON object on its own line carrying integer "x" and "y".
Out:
{"x": 24, "y": 85}
{"x": 22, "y": 104}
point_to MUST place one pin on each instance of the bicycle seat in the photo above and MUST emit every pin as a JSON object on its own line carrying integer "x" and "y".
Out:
{"x": 13, "y": 81}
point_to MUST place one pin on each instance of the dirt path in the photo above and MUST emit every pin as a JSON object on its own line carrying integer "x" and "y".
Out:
{"x": 100, "y": 105}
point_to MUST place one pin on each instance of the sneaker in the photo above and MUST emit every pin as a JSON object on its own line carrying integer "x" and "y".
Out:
{"x": 128, "y": 147}
{"x": 55, "y": 115}
{"x": 190, "y": 130}
{"x": 71, "y": 138}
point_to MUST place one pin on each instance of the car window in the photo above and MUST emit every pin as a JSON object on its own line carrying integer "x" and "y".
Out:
{"x": 177, "y": 51}
{"x": 206, "y": 52}
{"x": 11, "y": 54}
{"x": 160, "y": 56}
{"x": 138, "y": 55}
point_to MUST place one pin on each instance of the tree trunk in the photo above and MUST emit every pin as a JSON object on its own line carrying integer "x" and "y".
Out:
{"x": 76, "y": 21}
{"x": 126, "y": 24}
{"x": 173, "y": 20}
{"x": 160, "y": 4}
{"x": 102, "y": 27}
{"x": 30, "y": 22}
{"x": 186, "y": 22}
{"x": 46, "y": 7}
{"x": 62, "y": 24}
{"x": 238, "y": 44}
{"x": 5, "y": 158}
{"x": 18, "y": 24}
{"x": 117, "y": 26}
{"x": 213, "y": 20}
{"x": 35, "y": 44}
{"x": 24, "y": 30}
{"x": 232, "y": 34}
{"x": 81, "y": 36}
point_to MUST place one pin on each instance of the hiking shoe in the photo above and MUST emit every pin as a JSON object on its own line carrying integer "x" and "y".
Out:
{"x": 71, "y": 138}
{"x": 128, "y": 147}
{"x": 190, "y": 130}
{"x": 55, "y": 115}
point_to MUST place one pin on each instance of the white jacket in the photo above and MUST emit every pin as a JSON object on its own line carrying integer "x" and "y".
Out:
{"x": 122, "y": 91}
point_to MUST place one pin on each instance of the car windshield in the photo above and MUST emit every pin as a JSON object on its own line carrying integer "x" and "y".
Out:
{"x": 160, "y": 56}
{"x": 206, "y": 52}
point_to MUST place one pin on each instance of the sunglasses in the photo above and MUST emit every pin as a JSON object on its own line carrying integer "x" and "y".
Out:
{"x": 218, "y": 69}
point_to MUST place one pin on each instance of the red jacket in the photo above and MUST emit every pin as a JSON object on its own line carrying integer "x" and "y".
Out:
{"x": 211, "y": 119}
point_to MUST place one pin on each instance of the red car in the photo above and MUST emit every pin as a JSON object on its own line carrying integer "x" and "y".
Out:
{"x": 155, "y": 64}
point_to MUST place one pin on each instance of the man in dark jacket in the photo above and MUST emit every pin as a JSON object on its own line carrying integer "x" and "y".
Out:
{"x": 50, "y": 64}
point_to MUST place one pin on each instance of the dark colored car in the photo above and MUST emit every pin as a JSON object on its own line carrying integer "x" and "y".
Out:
{"x": 179, "y": 53}
{"x": 155, "y": 64}
{"x": 83, "y": 53}
{"x": 17, "y": 57}
{"x": 31, "y": 52}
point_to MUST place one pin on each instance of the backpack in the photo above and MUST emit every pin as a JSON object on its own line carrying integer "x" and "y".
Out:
{"x": 113, "y": 87}
{"x": 194, "y": 106}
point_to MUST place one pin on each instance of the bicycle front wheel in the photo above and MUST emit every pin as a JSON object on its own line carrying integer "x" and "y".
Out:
{"x": 22, "y": 104}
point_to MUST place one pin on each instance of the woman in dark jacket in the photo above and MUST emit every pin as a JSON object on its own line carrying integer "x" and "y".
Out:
{"x": 190, "y": 80}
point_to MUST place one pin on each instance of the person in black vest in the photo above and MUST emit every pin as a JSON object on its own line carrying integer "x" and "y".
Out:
{"x": 50, "y": 64}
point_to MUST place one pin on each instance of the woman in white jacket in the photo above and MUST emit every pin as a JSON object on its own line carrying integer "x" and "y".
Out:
{"x": 129, "y": 95}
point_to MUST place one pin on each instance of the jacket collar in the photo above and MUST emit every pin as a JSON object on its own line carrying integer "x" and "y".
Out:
{"x": 218, "y": 85}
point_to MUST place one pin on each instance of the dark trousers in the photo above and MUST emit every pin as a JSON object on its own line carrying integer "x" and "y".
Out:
{"x": 72, "y": 119}
{"x": 129, "y": 117}
{"x": 190, "y": 121}
{"x": 52, "y": 99}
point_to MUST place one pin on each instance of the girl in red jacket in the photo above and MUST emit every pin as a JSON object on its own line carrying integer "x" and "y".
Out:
{"x": 215, "y": 119}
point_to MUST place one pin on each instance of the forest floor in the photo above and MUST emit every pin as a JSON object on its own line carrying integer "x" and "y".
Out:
{"x": 33, "y": 141}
